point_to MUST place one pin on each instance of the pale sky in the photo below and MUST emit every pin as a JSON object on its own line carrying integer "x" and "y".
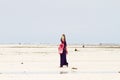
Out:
{"x": 43, "y": 21}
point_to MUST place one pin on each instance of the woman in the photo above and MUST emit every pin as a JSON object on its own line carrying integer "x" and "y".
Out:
{"x": 63, "y": 51}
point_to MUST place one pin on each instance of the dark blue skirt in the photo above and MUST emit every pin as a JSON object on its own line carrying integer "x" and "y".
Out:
{"x": 63, "y": 59}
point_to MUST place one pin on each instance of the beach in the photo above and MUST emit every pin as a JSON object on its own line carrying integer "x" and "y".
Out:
{"x": 41, "y": 62}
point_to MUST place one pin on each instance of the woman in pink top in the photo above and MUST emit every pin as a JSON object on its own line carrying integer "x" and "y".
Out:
{"x": 62, "y": 49}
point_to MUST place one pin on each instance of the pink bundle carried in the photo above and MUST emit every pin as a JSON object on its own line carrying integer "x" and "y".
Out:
{"x": 60, "y": 48}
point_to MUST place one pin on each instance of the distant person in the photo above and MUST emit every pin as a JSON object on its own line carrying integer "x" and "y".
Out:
{"x": 83, "y": 46}
{"x": 63, "y": 51}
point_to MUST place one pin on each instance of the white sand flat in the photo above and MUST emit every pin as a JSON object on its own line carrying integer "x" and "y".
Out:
{"x": 42, "y": 63}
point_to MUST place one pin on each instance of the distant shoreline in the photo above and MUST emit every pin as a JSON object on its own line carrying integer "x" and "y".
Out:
{"x": 56, "y": 45}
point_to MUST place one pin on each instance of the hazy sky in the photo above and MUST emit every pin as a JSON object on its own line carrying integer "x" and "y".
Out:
{"x": 43, "y": 21}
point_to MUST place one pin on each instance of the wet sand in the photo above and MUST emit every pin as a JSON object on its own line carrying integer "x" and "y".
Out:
{"x": 41, "y": 62}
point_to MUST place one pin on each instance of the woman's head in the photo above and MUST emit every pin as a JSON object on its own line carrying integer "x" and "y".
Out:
{"x": 63, "y": 38}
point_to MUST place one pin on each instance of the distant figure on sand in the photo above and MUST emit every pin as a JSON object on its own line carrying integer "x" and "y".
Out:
{"x": 62, "y": 49}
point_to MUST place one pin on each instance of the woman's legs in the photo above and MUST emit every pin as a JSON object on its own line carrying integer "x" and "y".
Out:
{"x": 63, "y": 60}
